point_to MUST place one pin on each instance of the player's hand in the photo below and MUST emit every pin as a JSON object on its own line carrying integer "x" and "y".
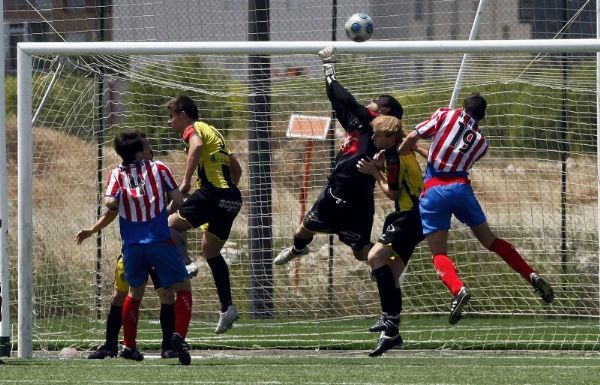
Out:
{"x": 82, "y": 235}
{"x": 367, "y": 166}
{"x": 185, "y": 188}
{"x": 328, "y": 55}
{"x": 379, "y": 159}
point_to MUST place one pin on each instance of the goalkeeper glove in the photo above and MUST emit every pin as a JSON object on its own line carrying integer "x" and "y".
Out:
{"x": 328, "y": 56}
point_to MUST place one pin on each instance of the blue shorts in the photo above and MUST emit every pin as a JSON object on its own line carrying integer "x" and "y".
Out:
{"x": 439, "y": 203}
{"x": 139, "y": 258}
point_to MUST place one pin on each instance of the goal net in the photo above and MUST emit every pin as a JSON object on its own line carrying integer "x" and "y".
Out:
{"x": 537, "y": 185}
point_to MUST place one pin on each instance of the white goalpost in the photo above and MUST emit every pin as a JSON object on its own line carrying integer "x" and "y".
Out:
{"x": 518, "y": 181}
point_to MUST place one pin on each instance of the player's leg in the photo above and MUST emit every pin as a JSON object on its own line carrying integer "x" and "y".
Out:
{"x": 131, "y": 312}
{"x": 390, "y": 297}
{"x": 317, "y": 220}
{"x": 178, "y": 228}
{"x": 514, "y": 259}
{"x": 354, "y": 224}
{"x": 171, "y": 272}
{"x": 167, "y": 314}
{"x": 136, "y": 273}
{"x": 436, "y": 212}
{"x": 114, "y": 320}
{"x": 216, "y": 232}
{"x": 183, "y": 315}
{"x": 302, "y": 238}
{"x": 402, "y": 232}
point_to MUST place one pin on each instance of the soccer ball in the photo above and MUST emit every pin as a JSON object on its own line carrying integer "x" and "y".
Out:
{"x": 359, "y": 27}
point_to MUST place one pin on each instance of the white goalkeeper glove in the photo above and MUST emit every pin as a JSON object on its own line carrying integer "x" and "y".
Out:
{"x": 328, "y": 56}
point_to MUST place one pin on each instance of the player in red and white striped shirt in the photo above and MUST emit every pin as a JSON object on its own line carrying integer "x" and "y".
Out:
{"x": 137, "y": 189}
{"x": 456, "y": 145}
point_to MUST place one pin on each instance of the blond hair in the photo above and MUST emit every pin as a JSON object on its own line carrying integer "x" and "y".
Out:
{"x": 389, "y": 125}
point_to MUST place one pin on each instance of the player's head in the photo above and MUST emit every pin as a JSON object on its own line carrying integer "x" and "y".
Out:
{"x": 387, "y": 131}
{"x": 182, "y": 112}
{"x": 148, "y": 154}
{"x": 474, "y": 104}
{"x": 129, "y": 145}
{"x": 386, "y": 105}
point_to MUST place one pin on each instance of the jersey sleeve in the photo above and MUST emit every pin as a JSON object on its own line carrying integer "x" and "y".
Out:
{"x": 392, "y": 168}
{"x": 345, "y": 105}
{"x": 188, "y": 132}
{"x": 166, "y": 176}
{"x": 113, "y": 187}
{"x": 429, "y": 127}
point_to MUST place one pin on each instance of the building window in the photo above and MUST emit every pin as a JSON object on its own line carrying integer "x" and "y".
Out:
{"x": 76, "y": 36}
{"x": 18, "y": 32}
{"x": 43, "y": 5}
{"x": 72, "y": 5}
{"x": 418, "y": 4}
{"x": 292, "y": 4}
{"x": 505, "y": 32}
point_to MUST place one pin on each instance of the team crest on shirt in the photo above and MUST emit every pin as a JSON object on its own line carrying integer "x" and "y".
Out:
{"x": 137, "y": 183}
{"x": 350, "y": 145}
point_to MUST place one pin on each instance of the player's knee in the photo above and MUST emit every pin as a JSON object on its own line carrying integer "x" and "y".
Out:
{"x": 362, "y": 253}
{"x": 118, "y": 298}
{"x": 375, "y": 258}
{"x": 182, "y": 286}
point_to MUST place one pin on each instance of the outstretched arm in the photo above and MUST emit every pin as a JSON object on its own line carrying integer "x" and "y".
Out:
{"x": 409, "y": 142}
{"x": 104, "y": 220}
{"x": 342, "y": 101}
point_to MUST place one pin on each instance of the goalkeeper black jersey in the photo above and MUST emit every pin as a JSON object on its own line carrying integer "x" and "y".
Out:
{"x": 345, "y": 180}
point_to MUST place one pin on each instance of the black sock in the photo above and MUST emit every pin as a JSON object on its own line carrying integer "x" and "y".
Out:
{"x": 398, "y": 303}
{"x": 113, "y": 326}
{"x": 167, "y": 324}
{"x": 387, "y": 289}
{"x": 220, "y": 273}
{"x": 300, "y": 244}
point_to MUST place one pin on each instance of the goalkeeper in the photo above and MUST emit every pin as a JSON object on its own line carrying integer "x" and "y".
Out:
{"x": 121, "y": 287}
{"x": 346, "y": 204}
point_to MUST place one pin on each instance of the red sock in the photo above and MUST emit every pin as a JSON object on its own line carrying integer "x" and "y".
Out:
{"x": 512, "y": 257}
{"x": 183, "y": 312}
{"x": 447, "y": 272}
{"x": 131, "y": 311}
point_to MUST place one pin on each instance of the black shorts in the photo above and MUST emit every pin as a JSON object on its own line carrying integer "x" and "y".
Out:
{"x": 403, "y": 231}
{"x": 351, "y": 220}
{"x": 217, "y": 208}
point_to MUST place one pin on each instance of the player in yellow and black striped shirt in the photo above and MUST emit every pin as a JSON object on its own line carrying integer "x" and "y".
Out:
{"x": 402, "y": 229}
{"x": 216, "y": 202}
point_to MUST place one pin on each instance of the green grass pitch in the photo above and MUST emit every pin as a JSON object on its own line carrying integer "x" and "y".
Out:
{"x": 314, "y": 368}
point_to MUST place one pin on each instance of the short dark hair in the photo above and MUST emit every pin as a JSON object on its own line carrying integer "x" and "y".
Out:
{"x": 474, "y": 104}
{"x": 183, "y": 103}
{"x": 128, "y": 144}
{"x": 392, "y": 103}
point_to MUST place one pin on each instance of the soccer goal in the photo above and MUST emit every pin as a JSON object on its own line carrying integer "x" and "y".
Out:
{"x": 538, "y": 186}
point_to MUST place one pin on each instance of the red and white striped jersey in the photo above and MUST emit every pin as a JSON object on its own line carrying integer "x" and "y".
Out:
{"x": 456, "y": 142}
{"x": 140, "y": 189}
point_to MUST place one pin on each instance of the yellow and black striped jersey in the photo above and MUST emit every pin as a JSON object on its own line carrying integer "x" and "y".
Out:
{"x": 404, "y": 174}
{"x": 213, "y": 170}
